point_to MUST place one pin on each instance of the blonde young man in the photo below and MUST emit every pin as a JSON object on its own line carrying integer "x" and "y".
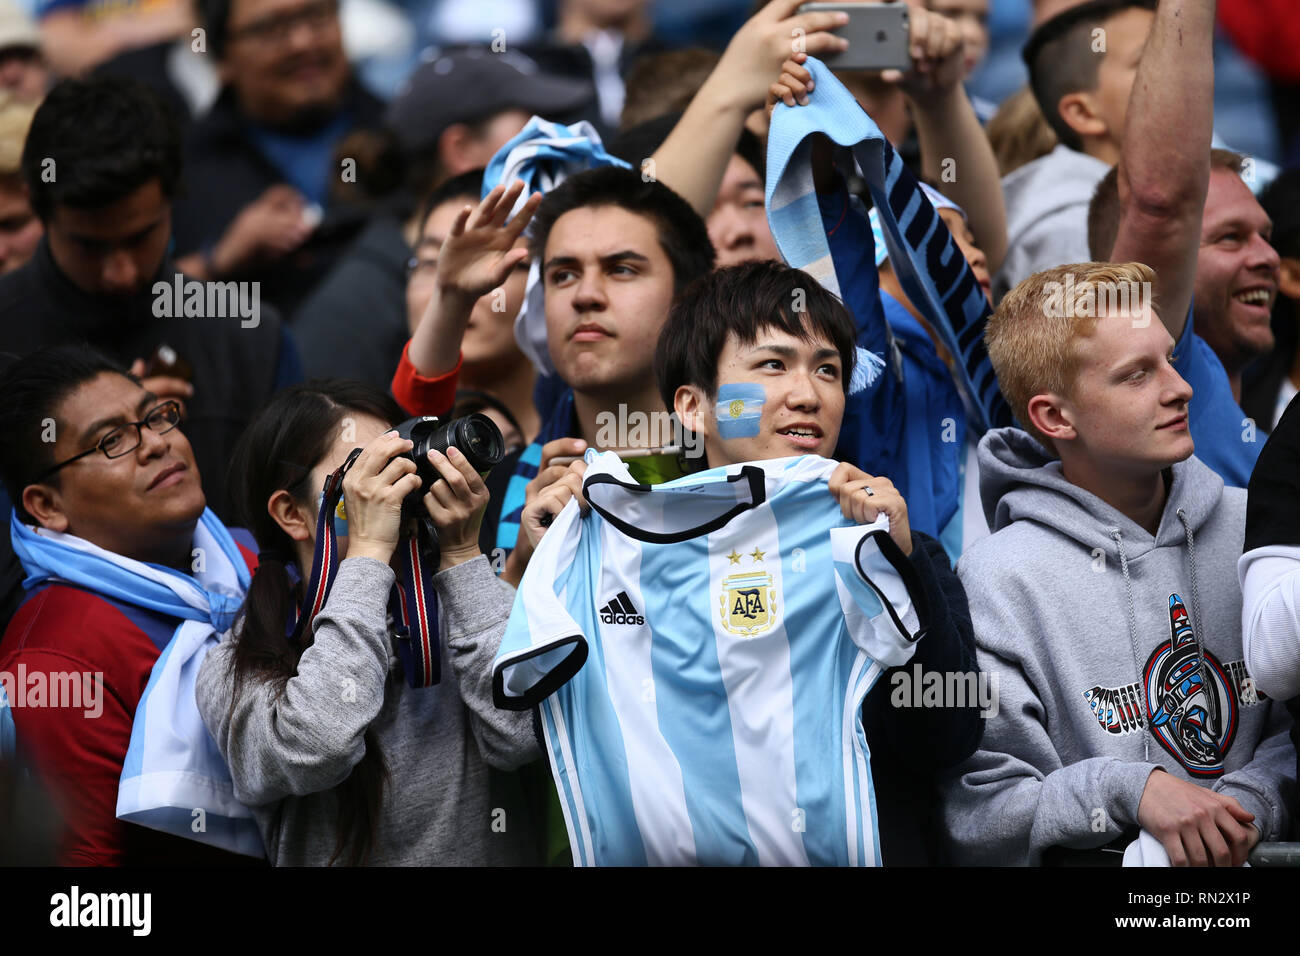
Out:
{"x": 1107, "y": 601}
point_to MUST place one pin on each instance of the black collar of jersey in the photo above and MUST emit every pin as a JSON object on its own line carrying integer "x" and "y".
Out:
{"x": 749, "y": 473}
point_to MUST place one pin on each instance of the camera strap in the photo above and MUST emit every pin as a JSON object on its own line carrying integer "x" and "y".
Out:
{"x": 413, "y": 601}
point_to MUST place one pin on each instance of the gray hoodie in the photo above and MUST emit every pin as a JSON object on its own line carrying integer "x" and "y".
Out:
{"x": 1097, "y": 632}
{"x": 444, "y": 804}
{"x": 1047, "y": 214}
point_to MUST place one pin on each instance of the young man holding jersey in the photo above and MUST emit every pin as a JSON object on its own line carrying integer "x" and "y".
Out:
{"x": 759, "y": 381}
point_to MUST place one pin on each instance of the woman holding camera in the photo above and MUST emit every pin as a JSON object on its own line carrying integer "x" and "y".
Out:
{"x": 339, "y": 759}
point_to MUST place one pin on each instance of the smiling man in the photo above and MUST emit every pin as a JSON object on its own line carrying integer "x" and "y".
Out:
{"x": 260, "y": 163}
{"x": 1125, "y": 703}
{"x": 96, "y": 462}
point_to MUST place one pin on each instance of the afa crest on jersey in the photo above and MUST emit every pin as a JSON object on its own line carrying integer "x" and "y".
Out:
{"x": 749, "y": 603}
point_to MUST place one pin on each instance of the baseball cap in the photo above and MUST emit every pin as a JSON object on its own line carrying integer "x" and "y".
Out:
{"x": 463, "y": 84}
{"x": 17, "y": 29}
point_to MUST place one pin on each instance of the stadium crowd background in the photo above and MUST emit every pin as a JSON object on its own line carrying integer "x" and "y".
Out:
{"x": 319, "y": 153}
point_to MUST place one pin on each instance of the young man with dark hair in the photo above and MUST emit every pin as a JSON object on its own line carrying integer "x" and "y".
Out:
{"x": 102, "y": 164}
{"x": 108, "y": 505}
{"x": 614, "y": 251}
{"x": 763, "y": 384}
{"x": 1082, "y": 63}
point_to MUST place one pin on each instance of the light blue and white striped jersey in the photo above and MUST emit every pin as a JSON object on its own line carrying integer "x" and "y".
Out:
{"x": 730, "y": 624}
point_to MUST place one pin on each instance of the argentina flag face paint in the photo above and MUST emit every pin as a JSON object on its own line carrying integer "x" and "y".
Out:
{"x": 738, "y": 409}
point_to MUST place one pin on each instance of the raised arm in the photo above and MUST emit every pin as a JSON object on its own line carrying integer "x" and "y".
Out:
{"x": 1164, "y": 166}
{"x": 955, "y": 153}
{"x": 476, "y": 258}
{"x": 693, "y": 160}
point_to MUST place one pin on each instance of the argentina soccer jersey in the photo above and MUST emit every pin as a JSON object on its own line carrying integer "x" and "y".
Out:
{"x": 700, "y": 651}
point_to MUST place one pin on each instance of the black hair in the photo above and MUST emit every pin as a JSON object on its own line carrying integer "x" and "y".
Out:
{"x": 93, "y": 142}
{"x": 744, "y": 300}
{"x": 466, "y": 185}
{"x": 31, "y": 389}
{"x": 278, "y": 450}
{"x": 1264, "y": 377}
{"x": 1061, "y": 58}
{"x": 682, "y": 233}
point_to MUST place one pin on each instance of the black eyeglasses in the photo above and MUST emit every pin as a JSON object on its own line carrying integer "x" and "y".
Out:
{"x": 160, "y": 420}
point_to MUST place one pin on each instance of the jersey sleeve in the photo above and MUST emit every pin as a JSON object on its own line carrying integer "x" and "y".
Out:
{"x": 543, "y": 645}
{"x": 880, "y": 592}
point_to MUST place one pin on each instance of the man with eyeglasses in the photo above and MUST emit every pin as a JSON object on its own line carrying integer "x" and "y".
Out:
{"x": 95, "y": 461}
{"x": 261, "y": 165}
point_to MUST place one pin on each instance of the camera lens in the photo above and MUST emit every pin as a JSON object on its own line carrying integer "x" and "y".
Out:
{"x": 478, "y": 437}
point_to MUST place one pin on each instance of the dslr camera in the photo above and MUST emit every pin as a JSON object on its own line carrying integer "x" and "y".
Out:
{"x": 475, "y": 436}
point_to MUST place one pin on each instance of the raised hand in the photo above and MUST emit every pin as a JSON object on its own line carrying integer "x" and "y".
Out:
{"x": 479, "y": 253}
{"x": 770, "y": 36}
{"x": 938, "y": 55}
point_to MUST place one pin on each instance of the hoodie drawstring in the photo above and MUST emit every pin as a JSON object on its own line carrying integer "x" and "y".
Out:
{"x": 1198, "y": 621}
{"x": 1133, "y": 642}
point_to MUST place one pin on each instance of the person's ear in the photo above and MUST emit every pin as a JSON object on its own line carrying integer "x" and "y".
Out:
{"x": 295, "y": 520}
{"x": 1080, "y": 114}
{"x": 45, "y": 504}
{"x": 1052, "y": 415}
{"x": 693, "y": 409}
{"x": 1288, "y": 278}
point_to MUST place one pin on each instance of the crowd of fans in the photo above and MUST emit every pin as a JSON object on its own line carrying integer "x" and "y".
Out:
{"x": 1052, "y": 340}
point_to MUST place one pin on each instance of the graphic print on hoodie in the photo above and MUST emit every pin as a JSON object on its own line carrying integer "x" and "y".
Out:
{"x": 1117, "y": 650}
{"x": 1192, "y": 699}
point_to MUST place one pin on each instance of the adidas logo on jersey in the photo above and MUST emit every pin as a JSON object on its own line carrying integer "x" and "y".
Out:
{"x": 621, "y": 610}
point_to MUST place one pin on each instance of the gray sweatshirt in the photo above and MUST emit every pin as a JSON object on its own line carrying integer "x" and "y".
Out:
{"x": 1047, "y": 214}
{"x": 444, "y": 804}
{"x": 1099, "y": 635}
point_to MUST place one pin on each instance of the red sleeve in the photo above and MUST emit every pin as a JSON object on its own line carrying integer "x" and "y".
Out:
{"x": 421, "y": 395}
{"x": 77, "y": 746}
{"x": 77, "y": 753}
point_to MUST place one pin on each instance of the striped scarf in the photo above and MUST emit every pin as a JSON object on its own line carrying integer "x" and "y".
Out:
{"x": 926, "y": 259}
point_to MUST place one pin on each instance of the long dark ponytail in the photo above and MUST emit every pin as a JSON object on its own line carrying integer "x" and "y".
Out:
{"x": 297, "y": 428}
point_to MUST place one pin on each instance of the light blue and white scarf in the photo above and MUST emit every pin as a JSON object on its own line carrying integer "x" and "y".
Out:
{"x": 543, "y": 155}
{"x": 173, "y": 778}
{"x": 925, "y": 257}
